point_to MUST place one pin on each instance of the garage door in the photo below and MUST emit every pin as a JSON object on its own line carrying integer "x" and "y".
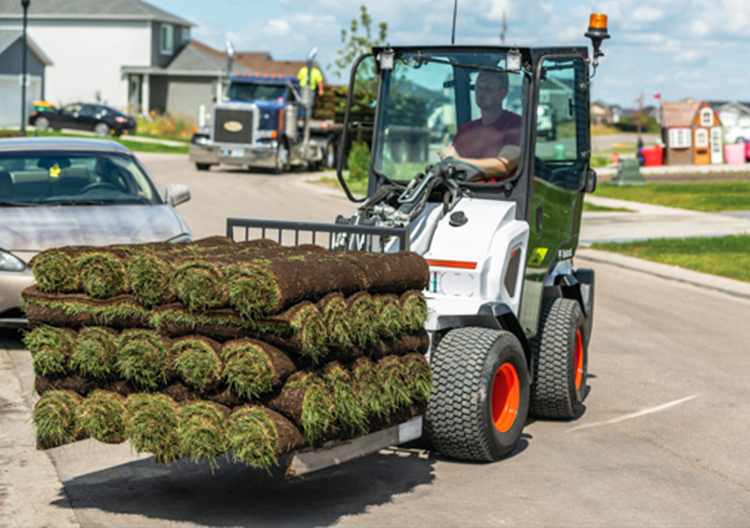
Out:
{"x": 10, "y": 95}
{"x": 186, "y": 94}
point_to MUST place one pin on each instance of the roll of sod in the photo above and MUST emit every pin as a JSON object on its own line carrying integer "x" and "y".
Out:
{"x": 196, "y": 360}
{"x": 367, "y": 386}
{"x": 299, "y": 330}
{"x": 221, "y": 324}
{"x": 391, "y": 272}
{"x": 55, "y": 270}
{"x": 307, "y": 402}
{"x": 390, "y": 316}
{"x": 350, "y": 410}
{"x": 253, "y": 368}
{"x": 414, "y": 310}
{"x": 335, "y": 313}
{"x": 418, "y": 342}
{"x": 102, "y": 273}
{"x": 201, "y": 284}
{"x": 143, "y": 358}
{"x": 364, "y": 319}
{"x": 152, "y": 426}
{"x": 76, "y": 310}
{"x": 75, "y": 383}
{"x": 151, "y": 278}
{"x": 393, "y": 383}
{"x": 50, "y": 349}
{"x": 418, "y": 377}
{"x": 55, "y": 418}
{"x": 202, "y": 430}
{"x": 258, "y": 436}
{"x": 94, "y": 353}
{"x": 102, "y": 416}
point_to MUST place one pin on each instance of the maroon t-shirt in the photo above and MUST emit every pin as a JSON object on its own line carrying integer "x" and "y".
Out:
{"x": 478, "y": 141}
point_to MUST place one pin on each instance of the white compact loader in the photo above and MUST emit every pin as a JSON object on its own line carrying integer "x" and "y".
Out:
{"x": 510, "y": 317}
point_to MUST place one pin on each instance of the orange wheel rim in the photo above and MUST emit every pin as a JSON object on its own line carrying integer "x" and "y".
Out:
{"x": 579, "y": 359}
{"x": 506, "y": 394}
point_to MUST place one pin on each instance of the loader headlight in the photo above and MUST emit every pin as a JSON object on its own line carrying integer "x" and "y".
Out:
{"x": 10, "y": 262}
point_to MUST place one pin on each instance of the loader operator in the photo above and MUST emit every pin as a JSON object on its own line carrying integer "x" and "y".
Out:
{"x": 492, "y": 142}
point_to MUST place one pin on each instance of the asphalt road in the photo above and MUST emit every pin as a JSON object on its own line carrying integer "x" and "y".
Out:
{"x": 662, "y": 440}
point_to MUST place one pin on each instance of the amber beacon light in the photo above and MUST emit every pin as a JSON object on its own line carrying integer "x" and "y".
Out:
{"x": 597, "y": 32}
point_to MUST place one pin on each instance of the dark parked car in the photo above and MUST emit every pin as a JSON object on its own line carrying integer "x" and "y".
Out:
{"x": 103, "y": 120}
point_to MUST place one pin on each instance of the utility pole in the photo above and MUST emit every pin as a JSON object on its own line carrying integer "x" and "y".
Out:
{"x": 639, "y": 118}
{"x": 25, "y": 5}
{"x": 503, "y": 30}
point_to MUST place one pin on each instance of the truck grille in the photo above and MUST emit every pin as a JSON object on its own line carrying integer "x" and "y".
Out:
{"x": 224, "y": 134}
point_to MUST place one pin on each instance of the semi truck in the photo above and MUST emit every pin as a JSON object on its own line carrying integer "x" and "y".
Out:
{"x": 510, "y": 317}
{"x": 262, "y": 125}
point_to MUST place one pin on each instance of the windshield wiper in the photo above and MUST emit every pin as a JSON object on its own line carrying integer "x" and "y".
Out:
{"x": 78, "y": 202}
{"x": 419, "y": 58}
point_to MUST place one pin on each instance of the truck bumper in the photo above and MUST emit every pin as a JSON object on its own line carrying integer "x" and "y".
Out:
{"x": 259, "y": 155}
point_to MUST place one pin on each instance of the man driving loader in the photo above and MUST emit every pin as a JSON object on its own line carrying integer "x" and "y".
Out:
{"x": 492, "y": 142}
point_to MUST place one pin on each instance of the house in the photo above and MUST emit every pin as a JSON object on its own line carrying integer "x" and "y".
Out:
{"x": 11, "y": 69}
{"x": 734, "y": 114}
{"x": 601, "y": 114}
{"x": 89, "y": 41}
{"x": 692, "y": 133}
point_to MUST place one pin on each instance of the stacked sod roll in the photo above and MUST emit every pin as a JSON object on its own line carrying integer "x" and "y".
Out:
{"x": 192, "y": 351}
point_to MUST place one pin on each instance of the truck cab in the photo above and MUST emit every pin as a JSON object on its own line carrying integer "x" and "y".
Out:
{"x": 261, "y": 125}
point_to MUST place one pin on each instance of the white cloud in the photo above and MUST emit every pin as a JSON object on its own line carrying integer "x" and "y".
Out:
{"x": 278, "y": 27}
{"x": 647, "y": 14}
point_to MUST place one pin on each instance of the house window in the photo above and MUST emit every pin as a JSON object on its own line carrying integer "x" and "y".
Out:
{"x": 167, "y": 39}
{"x": 679, "y": 138}
{"x": 701, "y": 138}
{"x": 707, "y": 117}
{"x": 185, "y": 34}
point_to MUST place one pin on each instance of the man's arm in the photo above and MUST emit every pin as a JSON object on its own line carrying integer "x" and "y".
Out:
{"x": 493, "y": 168}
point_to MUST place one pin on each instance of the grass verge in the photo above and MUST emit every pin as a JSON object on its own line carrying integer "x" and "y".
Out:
{"x": 724, "y": 256}
{"x": 592, "y": 208}
{"x": 135, "y": 146}
{"x": 706, "y": 197}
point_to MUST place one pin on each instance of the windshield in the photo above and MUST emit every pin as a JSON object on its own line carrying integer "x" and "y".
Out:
{"x": 50, "y": 178}
{"x": 457, "y": 107}
{"x": 257, "y": 92}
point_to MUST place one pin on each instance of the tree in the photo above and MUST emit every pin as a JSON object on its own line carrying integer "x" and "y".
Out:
{"x": 356, "y": 44}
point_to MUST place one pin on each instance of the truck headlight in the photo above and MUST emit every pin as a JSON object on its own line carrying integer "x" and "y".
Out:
{"x": 10, "y": 262}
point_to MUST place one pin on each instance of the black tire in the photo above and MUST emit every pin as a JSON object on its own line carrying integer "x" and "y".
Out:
{"x": 282, "y": 158}
{"x": 329, "y": 155}
{"x": 41, "y": 123}
{"x": 463, "y": 407}
{"x": 102, "y": 129}
{"x": 203, "y": 166}
{"x": 559, "y": 383}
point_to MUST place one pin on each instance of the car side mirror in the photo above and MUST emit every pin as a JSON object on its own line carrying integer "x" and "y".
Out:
{"x": 590, "y": 185}
{"x": 176, "y": 193}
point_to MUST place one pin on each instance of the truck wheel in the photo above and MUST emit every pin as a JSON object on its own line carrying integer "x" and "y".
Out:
{"x": 560, "y": 360}
{"x": 203, "y": 166}
{"x": 282, "y": 158}
{"x": 329, "y": 156}
{"x": 480, "y": 394}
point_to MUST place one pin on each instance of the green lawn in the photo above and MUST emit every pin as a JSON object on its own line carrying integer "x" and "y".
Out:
{"x": 135, "y": 146}
{"x": 706, "y": 197}
{"x": 724, "y": 256}
{"x": 592, "y": 208}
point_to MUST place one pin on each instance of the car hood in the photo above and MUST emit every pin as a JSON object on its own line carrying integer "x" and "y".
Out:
{"x": 40, "y": 228}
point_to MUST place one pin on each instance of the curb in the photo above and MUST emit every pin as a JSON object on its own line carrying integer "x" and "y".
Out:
{"x": 724, "y": 285}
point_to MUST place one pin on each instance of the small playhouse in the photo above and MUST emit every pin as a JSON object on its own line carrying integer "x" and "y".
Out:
{"x": 692, "y": 133}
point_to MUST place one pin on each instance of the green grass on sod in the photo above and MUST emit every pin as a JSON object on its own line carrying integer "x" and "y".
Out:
{"x": 724, "y": 256}
{"x": 706, "y": 197}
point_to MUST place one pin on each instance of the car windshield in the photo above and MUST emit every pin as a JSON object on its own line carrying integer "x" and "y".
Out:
{"x": 256, "y": 92}
{"x": 64, "y": 178}
{"x": 439, "y": 105}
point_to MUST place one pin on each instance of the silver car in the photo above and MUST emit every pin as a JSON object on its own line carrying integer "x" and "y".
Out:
{"x": 63, "y": 191}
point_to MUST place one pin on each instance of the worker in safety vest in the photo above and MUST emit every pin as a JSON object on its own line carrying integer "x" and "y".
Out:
{"x": 316, "y": 82}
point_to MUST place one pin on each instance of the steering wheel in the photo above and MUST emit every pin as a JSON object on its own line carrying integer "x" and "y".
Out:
{"x": 99, "y": 185}
{"x": 463, "y": 169}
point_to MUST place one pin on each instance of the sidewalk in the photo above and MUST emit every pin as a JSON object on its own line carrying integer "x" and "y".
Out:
{"x": 609, "y": 171}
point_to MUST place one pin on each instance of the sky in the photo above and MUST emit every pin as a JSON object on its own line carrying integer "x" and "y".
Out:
{"x": 676, "y": 48}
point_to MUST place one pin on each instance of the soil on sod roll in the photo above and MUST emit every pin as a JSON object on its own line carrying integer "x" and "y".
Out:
{"x": 76, "y": 310}
{"x": 391, "y": 272}
{"x": 55, "y": 418}
{"x": 95, "y": 352}
{"x": 202, "y": 430}
{"x": 75, "y": 383}
{"x": 258, "y": 436}
{"x": 102, "y": 416}
{"x": 152, "y": 426}
{"x": 143, "y": 358}
{"x": 221, "y": 324}
{"x": 50, "y": 349}
{"x": 400, "y": 345}
{"x": 196, "y": 361}
{"x": 253, "y": 368}
{"x": 350, "y": 411}
{"x": 306, "y": 401}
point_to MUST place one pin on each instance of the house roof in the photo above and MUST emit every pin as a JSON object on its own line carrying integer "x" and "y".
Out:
{"x": 8, "y": 37}
{"x": 192, "y": 60}
{"x": 89, "y": 10}
{"x": 679, "y": 114}
{"x": 256, "y": 61}
{"x": 741, "y": 106}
